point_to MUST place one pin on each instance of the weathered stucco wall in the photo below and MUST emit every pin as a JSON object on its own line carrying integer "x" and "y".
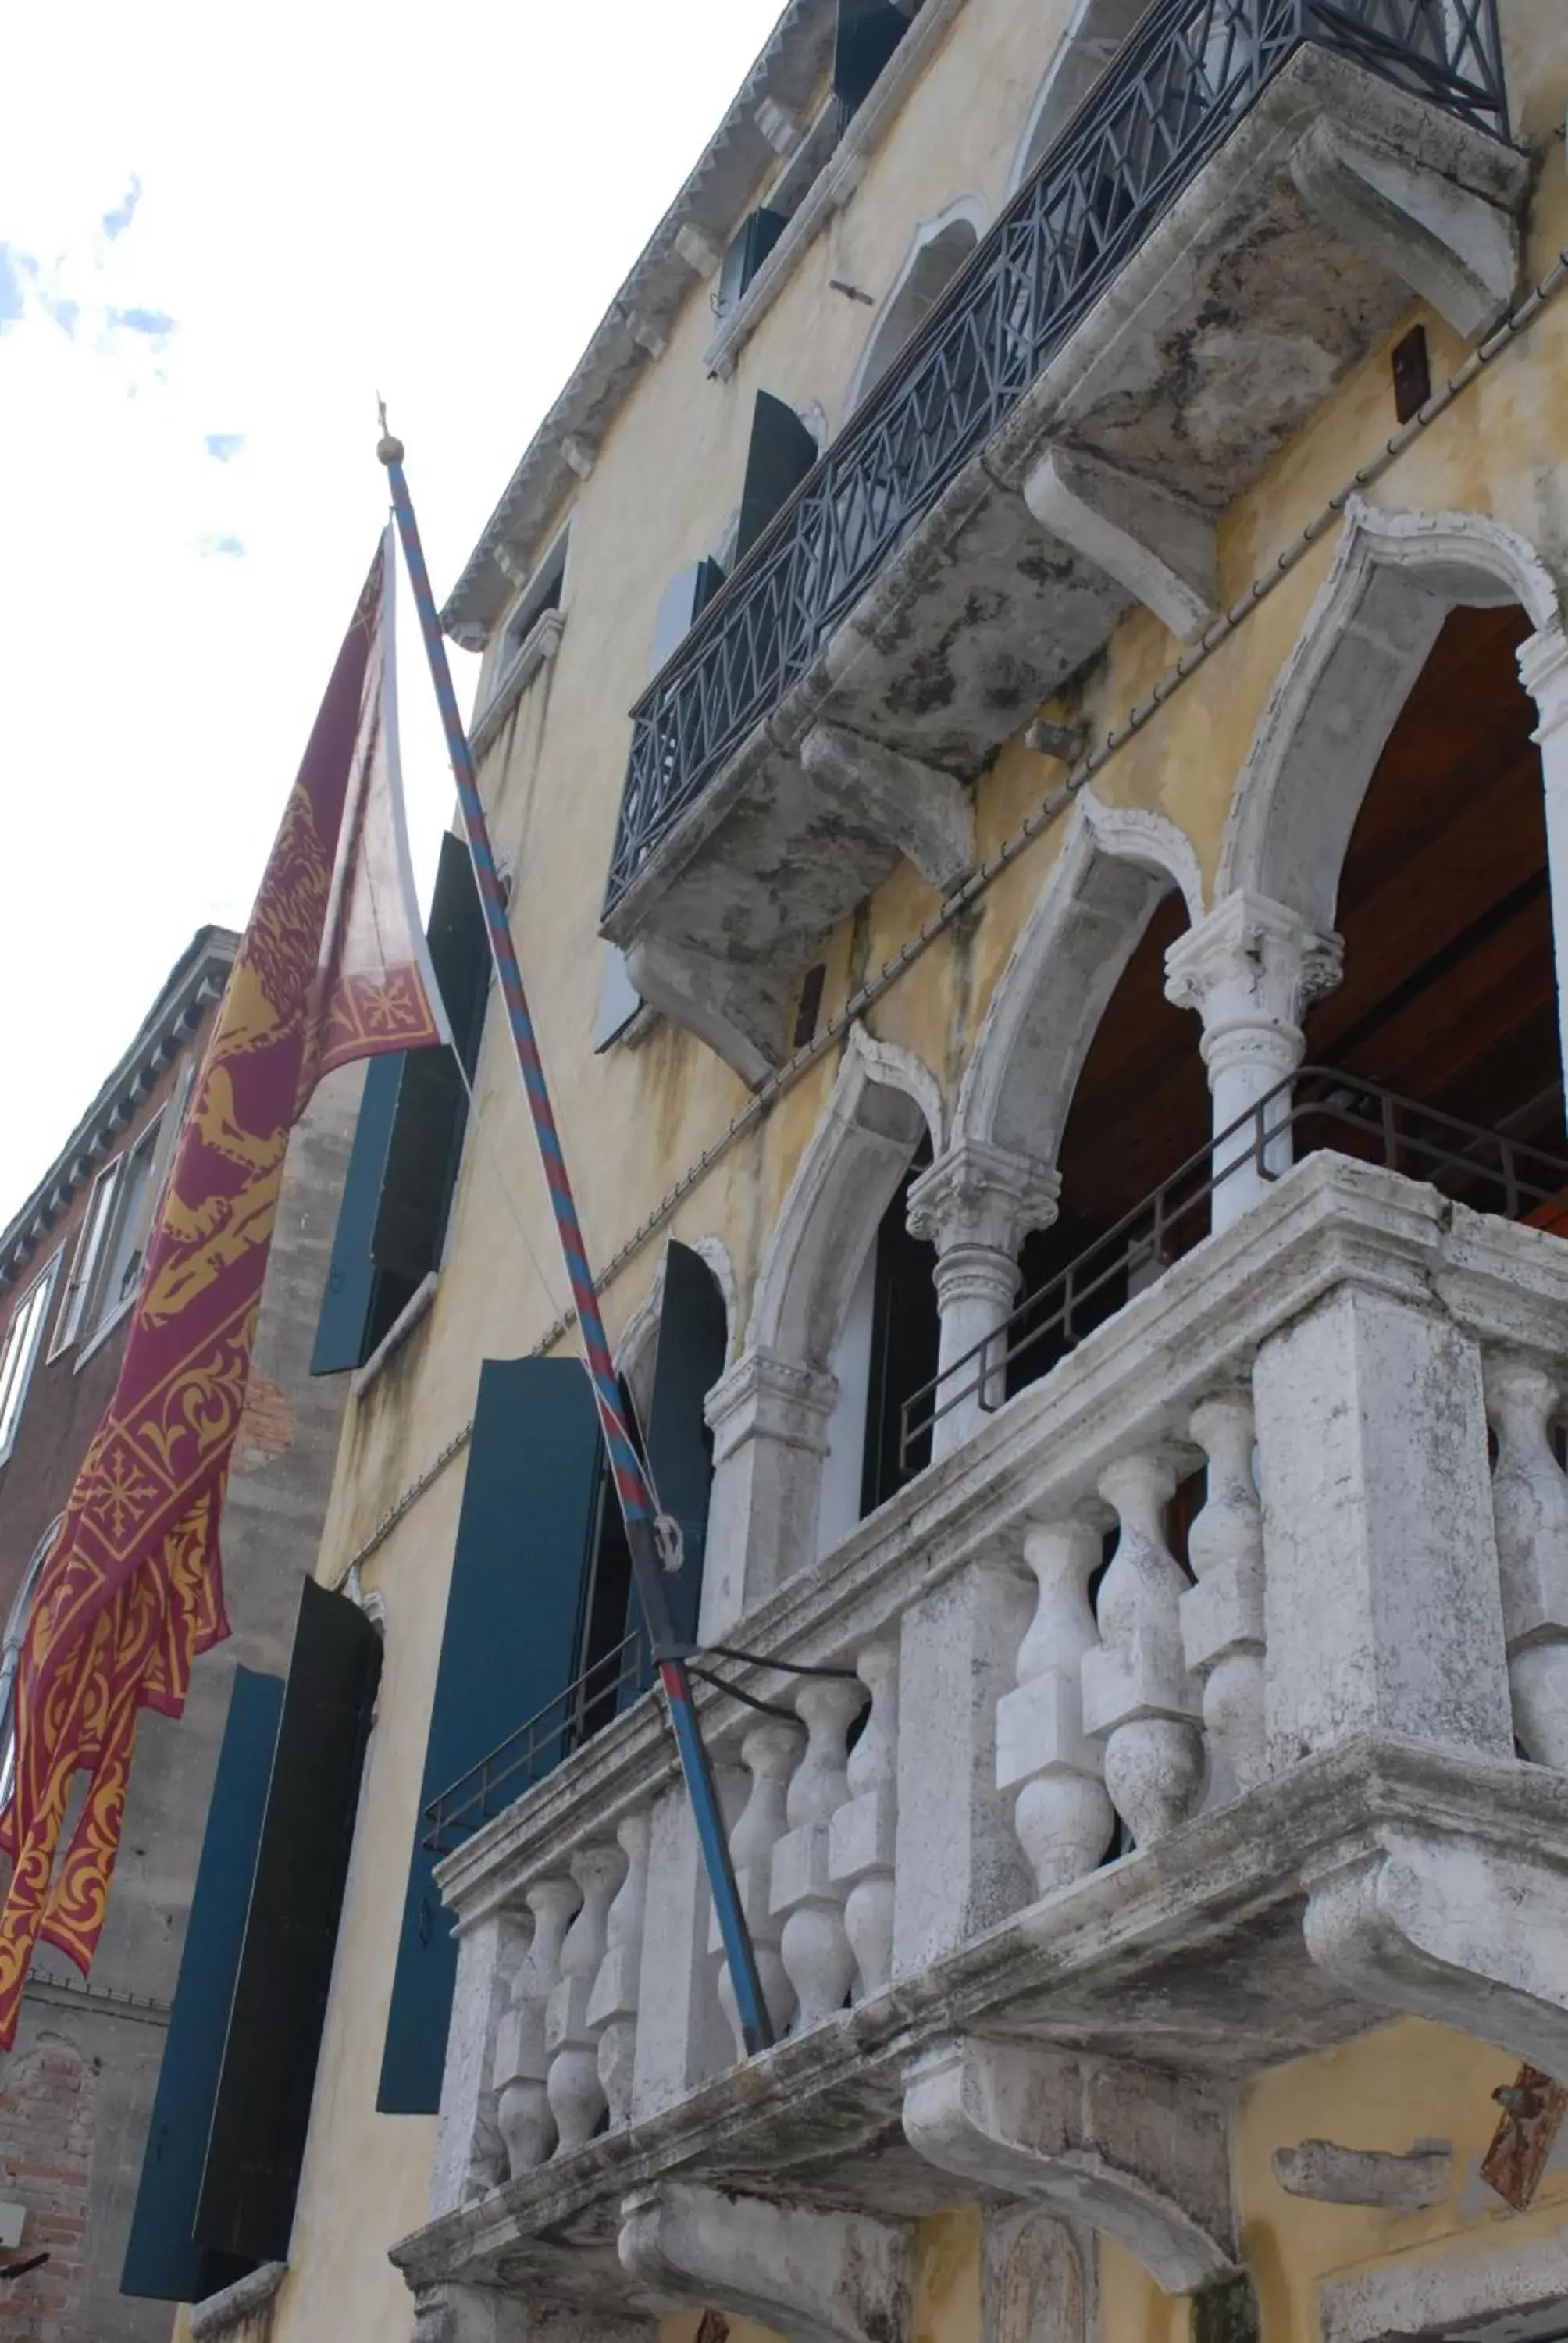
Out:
{"x": 660, "y": 492}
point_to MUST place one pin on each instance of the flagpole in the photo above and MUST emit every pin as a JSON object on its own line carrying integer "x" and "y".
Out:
{"x": 637, "y": 1503}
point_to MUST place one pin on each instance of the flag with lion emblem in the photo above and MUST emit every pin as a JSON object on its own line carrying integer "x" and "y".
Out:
{"x": 332, "y": 967}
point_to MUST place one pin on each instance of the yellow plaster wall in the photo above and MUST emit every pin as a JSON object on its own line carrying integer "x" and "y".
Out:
{"x": 634, "y": 1119}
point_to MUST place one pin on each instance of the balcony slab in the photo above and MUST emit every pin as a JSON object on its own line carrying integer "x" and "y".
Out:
{"x": 1334, "y": 201}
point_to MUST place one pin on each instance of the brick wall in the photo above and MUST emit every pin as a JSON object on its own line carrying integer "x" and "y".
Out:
{"x": 46, "y": 2123}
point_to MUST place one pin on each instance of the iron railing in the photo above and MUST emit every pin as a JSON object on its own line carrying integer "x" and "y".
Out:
{"x": 1190, "y": 69}
{"x": 540, "y": 1743}
{"x": 1320, "y": 1106}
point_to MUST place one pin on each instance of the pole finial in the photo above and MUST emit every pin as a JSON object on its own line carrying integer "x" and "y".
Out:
{"x": 389, "y": 450}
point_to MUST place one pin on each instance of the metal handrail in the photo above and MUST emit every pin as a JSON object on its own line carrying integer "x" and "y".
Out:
{"x": 1180, "y": 82}
{"x": 1405, "y": 1135}
{"x": 540, "y": 1743}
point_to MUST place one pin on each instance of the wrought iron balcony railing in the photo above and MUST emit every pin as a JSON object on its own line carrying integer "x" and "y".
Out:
{"x": 1317, "y": 1107}
{"x": 1187, "y": 73}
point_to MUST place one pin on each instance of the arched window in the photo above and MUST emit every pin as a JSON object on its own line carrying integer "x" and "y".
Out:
{"x": 1096, "y": 31}
{"x": 940, "y": 251}
{"x": 11, "y": 1653}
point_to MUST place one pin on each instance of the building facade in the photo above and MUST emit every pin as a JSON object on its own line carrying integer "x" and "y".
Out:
{"x": 77, "y": 2090}
{"x": 1053, "y": 994}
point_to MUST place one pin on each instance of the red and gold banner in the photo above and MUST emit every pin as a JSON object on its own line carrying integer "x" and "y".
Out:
{"x": 331, "y": 968}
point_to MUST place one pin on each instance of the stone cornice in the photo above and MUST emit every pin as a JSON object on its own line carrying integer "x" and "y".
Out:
{"x": 196, "y": 980}
{"x": 683, "y": 247}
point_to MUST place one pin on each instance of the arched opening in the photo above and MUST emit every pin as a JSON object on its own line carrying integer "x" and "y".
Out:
{"x": 1448, "y": 995}
{"x": 1139, "y": 1110}
{"x": 938, "y": 253}
{"x": 886, "y": 1352}
{"x": 1097, "y": 30}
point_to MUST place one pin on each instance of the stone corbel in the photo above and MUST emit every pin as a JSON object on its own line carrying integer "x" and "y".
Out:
{"x": 816, "y": 2276}
{"x": 925, "y": 812}
{"x": 1156, "y": 546}
{"x": 1469, "y": 1934}
{"x": 738, "y": 1015}
{"x": 483, "y": 2314}
{"x": 1449, "y": 245}
{"x": 1137, "y": 2154}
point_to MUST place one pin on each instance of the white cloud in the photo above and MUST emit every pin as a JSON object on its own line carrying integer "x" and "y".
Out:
{"x": 235, "y": 232}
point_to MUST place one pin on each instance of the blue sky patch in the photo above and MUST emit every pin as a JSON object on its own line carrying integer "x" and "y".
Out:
{"x": 155, "y": 324}
{"x": 115, "y": 223}
{"x": 228, "y": 547}
{"x": 11, "y": 267}
{"x": 223, "y": 446}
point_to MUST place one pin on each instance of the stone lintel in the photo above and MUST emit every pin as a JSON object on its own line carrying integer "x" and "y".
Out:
{"x": 816, "y": 2276}
{"x": 1136, "y": 2154}
{"x": 923, "y": 811}
{"x": 1450, "y": 245}
{"x": 1157, "y": 546}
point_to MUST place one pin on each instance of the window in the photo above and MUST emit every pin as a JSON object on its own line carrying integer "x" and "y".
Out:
{"x": 868, "y": 33}
{"x": 19, "y": 1348}
{"x": 758, "y": 234}
{"x": 930, "y": 270}
{"x": 126, "y": 1241}
{"x": 11, "y": 1653}
{"x": 782, "y": 452}
{"x": 89, "y": 1245}
{"x": 543, "y": 592}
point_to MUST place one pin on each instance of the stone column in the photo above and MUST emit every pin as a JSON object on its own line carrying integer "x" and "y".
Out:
{"x": 770, "y": 1423}
{"x": 1543, "y": 668}
{"x": 1249, "y": 970}
{"x": 1381, "y": 1602}
{"x": 976, "y": 1205}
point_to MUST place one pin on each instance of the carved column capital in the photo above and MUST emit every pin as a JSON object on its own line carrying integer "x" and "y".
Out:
{"x": 1543, "y": 671}
{"x": 1249, "y": 970}
{"x": 981, "y": 1195}
{"x": 768, "y": 1397}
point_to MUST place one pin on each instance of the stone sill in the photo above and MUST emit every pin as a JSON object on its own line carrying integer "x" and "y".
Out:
{"x": 835, "y": 183}
{"x": 1141, "y": 1960}
{"x": 228, "y": 2312}
{"x": 1132, "y": 1380}
{"x": 538, "y": 645}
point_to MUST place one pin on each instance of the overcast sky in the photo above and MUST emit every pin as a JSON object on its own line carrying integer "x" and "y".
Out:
{"x": 222, "y": 229}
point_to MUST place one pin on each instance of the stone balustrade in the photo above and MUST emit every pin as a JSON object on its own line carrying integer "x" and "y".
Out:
{"x": 1024, "y": 1669}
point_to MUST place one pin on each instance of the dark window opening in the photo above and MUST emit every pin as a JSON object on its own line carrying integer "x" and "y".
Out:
{"x": 905, "y": 1332}
{"x": 868, "y": 33}
{"x": 750, "y": 247}
{"x": 542, "y": 593}
{"x": 782, "y": 452}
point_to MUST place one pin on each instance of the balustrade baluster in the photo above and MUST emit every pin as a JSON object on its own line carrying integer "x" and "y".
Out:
{"x": 862, "y": 1833}
{"x": 1062, "y": 1813}
{"x": 523, "y": 2111}
{"x": 1136, "y": 1694}
{"x": 611, "y": 2012}
{"x": 1222, "y": 1614}
{"x": 576, "y": 2094}
{"x": 769, "y": 1754}
{"x": 1530, "y": 1506}
{"x": 814, "y": 1947}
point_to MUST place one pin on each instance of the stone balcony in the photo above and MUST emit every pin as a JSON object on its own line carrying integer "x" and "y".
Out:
{"x": 1252, "y": 196}
{"x": 1108, "y": 1841}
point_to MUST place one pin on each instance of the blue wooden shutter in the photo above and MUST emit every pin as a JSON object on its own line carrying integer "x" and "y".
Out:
{"x": 262, "y": 2110}
{"x": 782, "y": 451}
{"x": 693, "y": 1338}
{"x": 869, "y": 31}
{"x": 508, "y": 1648}
{"x": 346, "y": 1332}
{"x": 426, "y": 1141}
{"x": 163, "y": 2258}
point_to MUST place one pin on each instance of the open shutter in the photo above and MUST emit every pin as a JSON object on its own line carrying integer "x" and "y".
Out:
{"x": 262, "y": 2110}
{"x": 163, "y": 2258}
{"x": 781, "y": 453}
{"x": 347, "y": 1330}
{"x": 869, "y": 31}
{"x": 744, "y": 254}
{"x": 427, "y": 1139}
{"x": 693, "y": 1338}
{"x": 508, "y": 1648}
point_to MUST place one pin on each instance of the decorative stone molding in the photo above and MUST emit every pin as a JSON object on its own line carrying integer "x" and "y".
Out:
{"x": 1137, "y": 2153}
{"x": 1507, "y": 2287}
{"x": 1331, "y": 2175}
{"x": 769, "y": 1420}
{"x": 1395, "y": 577}
{"x": 815, "y": 2276}
{"x": 1156, "y": 546}
{"x": 1249, "y": 970}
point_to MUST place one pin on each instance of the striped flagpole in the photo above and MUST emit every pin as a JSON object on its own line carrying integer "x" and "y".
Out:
{"x": 637, "y": 1503}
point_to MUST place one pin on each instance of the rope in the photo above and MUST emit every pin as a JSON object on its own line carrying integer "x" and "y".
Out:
{"x": 985, "y": 875}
